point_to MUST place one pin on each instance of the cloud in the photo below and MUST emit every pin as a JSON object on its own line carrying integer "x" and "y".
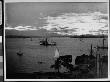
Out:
{"x": 21, "y": 28}
{"x": 72, "y": 24}
{"x": 84, "y": 22}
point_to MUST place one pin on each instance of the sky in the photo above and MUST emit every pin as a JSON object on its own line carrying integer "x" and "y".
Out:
{"x": 65, "y": 18}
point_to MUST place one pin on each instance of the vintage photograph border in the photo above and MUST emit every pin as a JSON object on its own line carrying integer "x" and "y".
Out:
{"x": 4, "y": 51}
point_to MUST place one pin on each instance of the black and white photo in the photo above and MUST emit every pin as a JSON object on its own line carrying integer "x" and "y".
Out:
{"x": 56, "y": 40}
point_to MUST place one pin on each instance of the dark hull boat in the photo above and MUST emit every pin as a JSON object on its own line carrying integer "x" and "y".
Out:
{"x": 46, "y": 43}
{"x": 19, "y": 53}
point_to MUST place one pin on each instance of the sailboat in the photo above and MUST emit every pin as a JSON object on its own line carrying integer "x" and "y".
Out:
{"x": 57, "y": 63}
{"x": 57, "y": 54}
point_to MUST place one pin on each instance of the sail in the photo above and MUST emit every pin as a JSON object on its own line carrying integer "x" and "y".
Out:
{"x": 56, "y": 53}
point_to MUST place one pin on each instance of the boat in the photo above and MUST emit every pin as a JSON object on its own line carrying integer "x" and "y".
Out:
{"x": 20, "y": 53}
{"x": 45, "y": 42}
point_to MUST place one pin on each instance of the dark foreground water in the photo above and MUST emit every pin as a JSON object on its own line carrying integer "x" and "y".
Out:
{"x": 39, "y": 58}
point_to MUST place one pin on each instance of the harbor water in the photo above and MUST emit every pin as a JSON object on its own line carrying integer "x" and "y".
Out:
{"x": 39, "y": 58}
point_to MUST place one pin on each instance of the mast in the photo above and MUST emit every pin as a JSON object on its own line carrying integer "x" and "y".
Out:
{"x": 91, "y": 50}
{"x": 98, "y": 63}
{"x": 103, "y": 42}
{"x": 46, "y": 40}
{"x": 31, "y": 38}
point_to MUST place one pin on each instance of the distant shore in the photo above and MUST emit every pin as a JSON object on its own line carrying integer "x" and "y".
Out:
{"x": 70, "y": 36}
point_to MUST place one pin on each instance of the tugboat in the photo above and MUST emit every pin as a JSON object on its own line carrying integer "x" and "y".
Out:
{"x": 45, "y": 42}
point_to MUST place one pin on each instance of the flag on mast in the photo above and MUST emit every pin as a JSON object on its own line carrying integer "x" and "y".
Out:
{"x": 57, "y": 53}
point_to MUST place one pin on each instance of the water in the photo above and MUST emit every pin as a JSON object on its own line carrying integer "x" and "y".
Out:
{"x": 34, "y": 53}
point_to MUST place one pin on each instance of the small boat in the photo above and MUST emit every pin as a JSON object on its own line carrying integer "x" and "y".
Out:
{"x": 40, "y": 62}
{"x": 20, "y": 53}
